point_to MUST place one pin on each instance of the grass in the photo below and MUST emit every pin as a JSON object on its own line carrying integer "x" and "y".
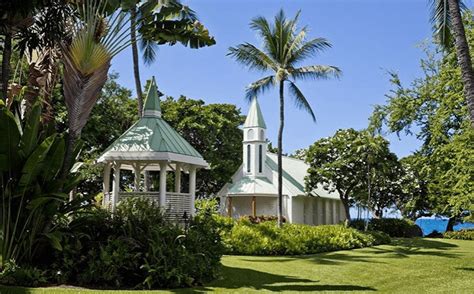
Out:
{"x": 406, "y": 266}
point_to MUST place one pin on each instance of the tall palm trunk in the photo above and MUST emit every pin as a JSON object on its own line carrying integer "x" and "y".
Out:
{"x": 280, "y": 150}
{"x": 7, "y": 52}
{"x": 464, "y": 58}
{"x": 136, "y": 69}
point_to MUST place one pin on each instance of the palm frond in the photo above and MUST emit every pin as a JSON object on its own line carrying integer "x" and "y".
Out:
{"x": 300, "y": 100}
{"x": 259, "y": 87}
{"x": 315, "y": 72}
{"x": 252, "y": 57}
{"x": 441, "y": 21}
{"x": 263, "y": 29}
{"x": 96, "y": 38}
{"x": 307, "y": 49}
{"x": 149, "y": 50}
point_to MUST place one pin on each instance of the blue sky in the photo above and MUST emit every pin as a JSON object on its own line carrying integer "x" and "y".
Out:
{"x": 369, "y": 37}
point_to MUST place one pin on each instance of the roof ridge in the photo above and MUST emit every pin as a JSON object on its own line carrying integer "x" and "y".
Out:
{"x": 289, "y": 157}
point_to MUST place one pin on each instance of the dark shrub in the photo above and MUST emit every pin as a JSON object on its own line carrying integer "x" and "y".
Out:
{"x": 292, "y": 239}
{"x": 263, "y": 218}
{"x": 460, "y": 235}
{"x": 12, "y": 274}
{"x": 393, "y": 227}
{"x": 138, "y": 248}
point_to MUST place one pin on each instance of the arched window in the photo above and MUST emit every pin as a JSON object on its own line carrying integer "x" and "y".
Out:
{"x": 248, "y": 158}
{"x": 262, "y": 137}
{"x": 250, "y": 135}
{"x": 260, "y": 158}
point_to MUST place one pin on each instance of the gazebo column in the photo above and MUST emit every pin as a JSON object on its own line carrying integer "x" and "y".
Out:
{"x": 106, "y": 183}
{"x": 177, "y": 180}
{"x": 136, "y": 169}
{"x": 116, "y": 186}
{"x": 146, "y": 177}
{"x": 163, "y": 184}
{"x": 192, "y": 187}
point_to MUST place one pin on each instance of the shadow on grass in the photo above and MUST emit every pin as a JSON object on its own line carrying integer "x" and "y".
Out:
{"x": 399, "y": 248}
{"x": 470, "y": 269}
{"x": 235, "y": 278}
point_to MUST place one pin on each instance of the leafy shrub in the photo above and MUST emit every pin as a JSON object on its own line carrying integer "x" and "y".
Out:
{"x": 460, "y": 235}
{"x": 138, "y": 248}
{"x": 12, "y": 274}
{"x": 391, "y": 226}
{"x": 266, "y": 238}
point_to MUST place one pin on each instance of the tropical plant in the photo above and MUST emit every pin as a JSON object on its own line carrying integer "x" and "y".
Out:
{"x": 33, "y": 195}
{"x": 154, "y": 23}
{"x": 448, "y": 28}
{"x": 32, "y": 29}
{"x": 285, "y": 46}
{"x": 265, "y": 238}
{"x": 213, "y": 129}
{"x": 96, "y": 39}
{"x": 358, "y": 166}
{"x": 438, "y": 116}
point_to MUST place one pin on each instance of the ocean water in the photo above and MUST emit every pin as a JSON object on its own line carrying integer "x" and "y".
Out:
{"x": 439, "y": 224}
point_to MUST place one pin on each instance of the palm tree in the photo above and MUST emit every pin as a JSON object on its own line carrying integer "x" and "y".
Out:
{"x": 154, "y": 23}
{"x": 448, "y": 27}
{"x": 96, "y": 39}
{"x": 284, "y": 47}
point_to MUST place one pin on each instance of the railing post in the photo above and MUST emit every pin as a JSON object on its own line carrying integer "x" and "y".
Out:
{"x": 192, "y": 187}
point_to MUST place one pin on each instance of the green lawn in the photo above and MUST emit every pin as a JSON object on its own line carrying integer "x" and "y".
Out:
{"x": 407, "y": 266}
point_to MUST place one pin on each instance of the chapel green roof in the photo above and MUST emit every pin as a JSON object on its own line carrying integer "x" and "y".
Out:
{"x": 254, "y": 117}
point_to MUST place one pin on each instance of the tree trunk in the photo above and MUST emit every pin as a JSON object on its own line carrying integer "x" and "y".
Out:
{"x": 345, "y": 202}
{"x": 464, "y": 57}
{"x": 136, "y": 68}
{"x": 7, "y": 53}
{"x": 450, "y": 225}
{"x": 71, "y": 141}
{"x": 280, "y": 151}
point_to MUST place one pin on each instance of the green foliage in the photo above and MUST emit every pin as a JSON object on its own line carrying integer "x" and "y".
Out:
{"x": 391, "y": 226}
{"x": 292, "y": 239}
{"x": 137, "y": 248}
{"x": 460, "y": 235}
{"x": 34, "y": 198}
{"x": 347, "y": 161}
{"x": 12, "y": 274}
{"x": 113, "y": 114}
{"x": 213, "y": 130}
{"x": 433, "y": 108}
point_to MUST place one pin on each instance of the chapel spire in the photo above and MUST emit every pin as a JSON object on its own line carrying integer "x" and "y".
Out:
{"x": 255, "y": 117}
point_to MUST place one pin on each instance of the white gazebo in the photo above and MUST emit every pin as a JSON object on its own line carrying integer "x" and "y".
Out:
{"x": 151, "y": 144}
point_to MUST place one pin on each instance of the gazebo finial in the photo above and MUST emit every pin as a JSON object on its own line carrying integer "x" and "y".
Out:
{"x": 152, "y": 105}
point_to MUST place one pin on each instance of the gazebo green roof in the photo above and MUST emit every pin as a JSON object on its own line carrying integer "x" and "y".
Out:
{"x": 152, "y": 139}
{"x": 255, "y": 117}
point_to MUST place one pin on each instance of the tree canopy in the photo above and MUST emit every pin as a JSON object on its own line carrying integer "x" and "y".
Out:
{"x": 434, "y": 110}
{"x": 348, "y": 163}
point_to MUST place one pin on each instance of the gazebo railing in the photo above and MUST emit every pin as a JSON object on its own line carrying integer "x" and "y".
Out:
{"x": 178, "y": 205}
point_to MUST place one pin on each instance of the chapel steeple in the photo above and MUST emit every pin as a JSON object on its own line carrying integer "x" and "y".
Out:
{"x": 255, "y": 145}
